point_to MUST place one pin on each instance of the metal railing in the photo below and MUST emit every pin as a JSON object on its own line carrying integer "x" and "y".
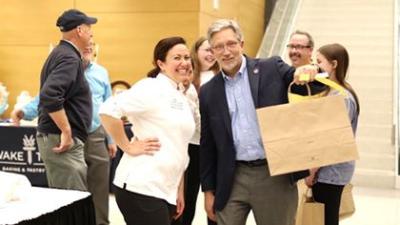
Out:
{"x": 279, "y": 26}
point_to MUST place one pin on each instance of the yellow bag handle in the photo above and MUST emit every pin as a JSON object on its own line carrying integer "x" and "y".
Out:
{"x": 322, "y": 78}
{"x": 331, "y": 84}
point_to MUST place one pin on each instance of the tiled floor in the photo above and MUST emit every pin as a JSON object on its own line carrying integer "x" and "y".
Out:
{"x": 373, "y": 207}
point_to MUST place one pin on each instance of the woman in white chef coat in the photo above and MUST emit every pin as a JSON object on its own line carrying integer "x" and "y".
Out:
{"x": 149, "y": 178}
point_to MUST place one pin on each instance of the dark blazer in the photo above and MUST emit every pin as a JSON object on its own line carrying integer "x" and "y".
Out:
{"x": 269, "y": 80}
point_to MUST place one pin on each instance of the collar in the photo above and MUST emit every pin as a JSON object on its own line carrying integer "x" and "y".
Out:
{"x": 89, "y": 65}
{"x": 73, "y": 45}
{"x": 240, "y": 72}
{"x": 176, "y": 86}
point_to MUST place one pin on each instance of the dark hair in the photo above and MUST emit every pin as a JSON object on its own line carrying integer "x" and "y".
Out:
{"x": 161, "y": 50}
{"x": 196, "y": 63}
{"x": 120, "y": 83}
{"x": 337, "y": 52}
{"x": 309, "y": 37}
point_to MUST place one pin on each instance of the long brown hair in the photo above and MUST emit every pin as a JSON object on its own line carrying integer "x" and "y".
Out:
{"x": 161, "y": 50}
{"x": 339, "y": 53}
{"x": 196, "y": 63}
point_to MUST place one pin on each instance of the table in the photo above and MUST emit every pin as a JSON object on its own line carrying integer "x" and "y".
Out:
{"x": 47, "y": 206}
{"x": 19, "y": 153}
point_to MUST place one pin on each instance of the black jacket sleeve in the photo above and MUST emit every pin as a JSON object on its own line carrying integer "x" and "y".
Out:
{"x": 208, "y": 150}
{"x": 57, "y": 84}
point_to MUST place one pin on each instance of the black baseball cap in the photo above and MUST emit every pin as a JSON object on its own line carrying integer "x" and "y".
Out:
{"x": 73, "y": 18}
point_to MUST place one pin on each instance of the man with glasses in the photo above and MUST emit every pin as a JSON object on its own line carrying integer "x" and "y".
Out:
{"x": 233, "y": 168}
{"x": 300, "y": 48}
{"x": 65, "y": 105}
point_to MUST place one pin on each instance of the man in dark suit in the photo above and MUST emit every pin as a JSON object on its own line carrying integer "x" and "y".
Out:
{"x": 233, "y": 168}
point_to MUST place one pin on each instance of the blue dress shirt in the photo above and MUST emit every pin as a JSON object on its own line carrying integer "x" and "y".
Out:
{"x": 99, "y": 83}
{"x": 30, "y": 110}
{"x": 245, "y": 129}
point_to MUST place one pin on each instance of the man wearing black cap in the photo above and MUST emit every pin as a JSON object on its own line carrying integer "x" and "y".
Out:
{"x": 65, "y": 108}
{"x": 96, "y": 151}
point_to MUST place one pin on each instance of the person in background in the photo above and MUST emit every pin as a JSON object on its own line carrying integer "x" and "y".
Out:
{"x": 233, "y": 168}
{"x": 204, "y": 68}
{"x": 119, "y": 86}
{"x": 300, "y": 48}
{"x": 27, "y": 112}
{"x": 3, "y": 98}
{"x": 149, "y": 178}
{"x": 204, "y": 64}
{"x": 99, "y": 147}
{"x": 328, "y": 182}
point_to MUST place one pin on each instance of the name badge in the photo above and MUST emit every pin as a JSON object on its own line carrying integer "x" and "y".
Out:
{"x": 175, "y": 104}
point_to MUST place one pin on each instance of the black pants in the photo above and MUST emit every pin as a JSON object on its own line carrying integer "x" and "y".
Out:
{"x": 140, "y": 209}
{"x": 330, "y": 195}
{"x": 192, "y": 185}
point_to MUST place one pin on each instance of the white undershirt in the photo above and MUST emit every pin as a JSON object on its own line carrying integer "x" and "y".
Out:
{"x": 205, "y": 76}
{"x": 191, "y": 94}
{"x": 155, "y": 108}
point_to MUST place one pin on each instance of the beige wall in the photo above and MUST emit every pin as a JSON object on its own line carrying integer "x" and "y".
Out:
{"x": 26, "y": 30}
{"x": 249, "y": 14}
{"x": 126, "y": 33}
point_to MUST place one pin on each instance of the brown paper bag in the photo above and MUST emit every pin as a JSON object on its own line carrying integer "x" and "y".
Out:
{"x": 306, "y": 134}
{"x": 313, "y": 213}
{"x": 309, "y": 211}
{"x": 347, "y": 207}
{"x": 301, "y": 191}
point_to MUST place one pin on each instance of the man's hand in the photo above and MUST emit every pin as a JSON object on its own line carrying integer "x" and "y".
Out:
{"x": 305, "y": 74}
{"x": 310, "y": 180}
{"x": 16, "y": 116}
{"x": 65, "y": 143}
{"x": 61, "y": 120}
{"x": 112, "y": 150}
{"x": 209, "y": 205}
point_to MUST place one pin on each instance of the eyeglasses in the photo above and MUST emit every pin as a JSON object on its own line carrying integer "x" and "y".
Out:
{"x": 230, "y": 45}
{"x": 299, "y": 47}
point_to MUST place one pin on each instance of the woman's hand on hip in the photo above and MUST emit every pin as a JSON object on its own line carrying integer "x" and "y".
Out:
{"x": 147, "y": 146}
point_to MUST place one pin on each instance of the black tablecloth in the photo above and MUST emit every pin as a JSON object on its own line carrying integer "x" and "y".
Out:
{"x": 80, "y": 212}
{"x": 19, "y": 154}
